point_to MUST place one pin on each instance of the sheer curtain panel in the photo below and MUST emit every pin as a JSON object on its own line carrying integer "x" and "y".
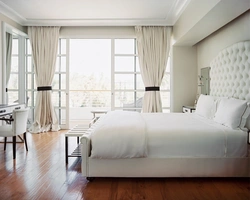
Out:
{"x": 153, "y": 45}
{"x": 44, "y": 44}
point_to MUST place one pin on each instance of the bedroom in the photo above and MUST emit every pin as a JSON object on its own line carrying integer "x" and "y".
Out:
{"x": 184, "y": 88}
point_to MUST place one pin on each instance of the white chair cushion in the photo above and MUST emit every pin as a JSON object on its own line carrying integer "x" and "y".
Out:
{"x": 6, "y": 131}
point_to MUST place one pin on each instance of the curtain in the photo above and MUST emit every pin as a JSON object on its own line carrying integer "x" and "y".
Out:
{"x": 44, "y": 44}
{"x": 153, "y": 45}
{"x": 8, "y": 61}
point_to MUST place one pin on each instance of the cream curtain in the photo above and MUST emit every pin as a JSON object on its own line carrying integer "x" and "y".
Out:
{"x": 44, "y": 43}
{"x": 153, "y": 49}
{"x": 8, "y": 61}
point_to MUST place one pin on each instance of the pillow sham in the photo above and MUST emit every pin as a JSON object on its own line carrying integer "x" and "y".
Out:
{"x": 206, "y": 106}
{"x": 232, "y": 113}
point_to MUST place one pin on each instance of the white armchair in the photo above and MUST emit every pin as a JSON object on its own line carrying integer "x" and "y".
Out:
{"x": 17, "y": 127}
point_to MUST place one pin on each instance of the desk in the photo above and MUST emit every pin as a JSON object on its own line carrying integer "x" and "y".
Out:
{"x": 6, "y": 109}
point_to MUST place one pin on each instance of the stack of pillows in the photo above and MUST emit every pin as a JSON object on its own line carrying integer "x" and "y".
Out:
{"x": 229, "y": 112}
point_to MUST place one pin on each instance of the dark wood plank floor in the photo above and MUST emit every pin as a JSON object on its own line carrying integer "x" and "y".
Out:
{"x": 41, "y": 173}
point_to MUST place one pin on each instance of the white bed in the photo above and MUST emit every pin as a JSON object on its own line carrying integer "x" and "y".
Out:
{"x": 175, "y": 144}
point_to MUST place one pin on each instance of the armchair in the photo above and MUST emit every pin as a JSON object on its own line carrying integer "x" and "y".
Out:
{"x": 17, "y": 127}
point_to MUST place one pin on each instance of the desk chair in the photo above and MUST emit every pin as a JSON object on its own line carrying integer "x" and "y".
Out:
{"x": 17, "y": 127}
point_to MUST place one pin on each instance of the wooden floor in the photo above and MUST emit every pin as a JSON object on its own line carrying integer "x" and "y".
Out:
{"x": 41, "y": 173}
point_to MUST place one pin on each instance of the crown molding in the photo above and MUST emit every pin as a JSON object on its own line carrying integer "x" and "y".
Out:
{"x": 10, "y": 13}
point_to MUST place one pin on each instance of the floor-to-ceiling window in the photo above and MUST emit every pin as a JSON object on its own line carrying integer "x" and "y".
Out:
{"x": 96, "y": 74}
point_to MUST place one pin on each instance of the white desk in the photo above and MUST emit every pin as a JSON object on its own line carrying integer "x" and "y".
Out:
{"x": 6, "y": 109}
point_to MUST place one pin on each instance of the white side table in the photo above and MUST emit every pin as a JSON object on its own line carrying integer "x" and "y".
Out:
{"x": 188, "y": 109}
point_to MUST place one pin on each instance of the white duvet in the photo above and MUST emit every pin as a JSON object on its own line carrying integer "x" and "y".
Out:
{"x": 124, "y": 134}
{"x": 119, "y": 134}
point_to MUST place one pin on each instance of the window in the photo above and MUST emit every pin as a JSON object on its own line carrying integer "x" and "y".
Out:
{"x": 30, "y": 78}
{"x": 13, "y": 89}
{"x": 128, "y": 84}
{"x": 97, "y": 74}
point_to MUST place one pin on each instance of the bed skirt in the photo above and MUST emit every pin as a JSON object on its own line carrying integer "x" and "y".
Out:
{"x": 162, "y": 167}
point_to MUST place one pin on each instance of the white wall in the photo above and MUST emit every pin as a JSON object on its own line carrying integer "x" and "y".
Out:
{"x": 184, "y": 77}
{"x": 236, "y": 31}
{"x": 97, "y": 32}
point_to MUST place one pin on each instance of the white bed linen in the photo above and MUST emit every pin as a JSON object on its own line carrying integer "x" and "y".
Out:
{"x": 125, "y": 134}
{"x": 190, "y": 135}
{"x": 119, "y": 134}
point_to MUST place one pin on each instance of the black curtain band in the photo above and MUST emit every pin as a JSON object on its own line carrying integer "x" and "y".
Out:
{"x": 152, "y": 88}
{"x": 6, "y": 89}
{"x": 44, "y": 88}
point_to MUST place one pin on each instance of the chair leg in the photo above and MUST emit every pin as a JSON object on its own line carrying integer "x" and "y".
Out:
{"x": 5, "y": 142}
{"x": 14, "y": 147}
{"x": 25, "y": 141}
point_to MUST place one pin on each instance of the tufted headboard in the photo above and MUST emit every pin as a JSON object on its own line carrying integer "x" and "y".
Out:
{"x": 230, "y": 72}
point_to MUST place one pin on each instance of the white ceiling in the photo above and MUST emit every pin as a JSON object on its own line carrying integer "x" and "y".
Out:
{"x": 93, "y": 12}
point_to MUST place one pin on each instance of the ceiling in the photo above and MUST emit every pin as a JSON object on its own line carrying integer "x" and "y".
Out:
{"x": 93, "y": 12}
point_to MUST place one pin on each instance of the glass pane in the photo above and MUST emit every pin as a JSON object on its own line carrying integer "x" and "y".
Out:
{"x": 90, "y": 64}
{"x": 139, "y": 82}
{"x": 165, "y": 98}
{"x": 124, "y": 81}
{"x": 61, "y": 114}
{"x": 165, "y": 84}
{"x": 14, "y": 64}
{"x": 63, "y": 81}
{"x": 12, "y": 96}
{"x": 124, "y": 64}
{"x": 29, "y": 64}
{"x": 63, "y": 99}
{"x": 55, "y": 82}
{"x": 15, "y": 46}
{"x": 58, "y": 98}
{"x": 128, "y": 100}
{"x": 127, "y": 82}
{"x": 124, "y": 46}
{"x": 13, "y": 82}
{"x": 96, "y": 99}
{"x": 35, "y": 93}
{"x": 63, "y": 46}
{"x": 29, "y": 81}
{"x": 63, "y": 64}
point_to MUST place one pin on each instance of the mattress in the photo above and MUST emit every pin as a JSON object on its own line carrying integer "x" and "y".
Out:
{"x": 189, "y": 135}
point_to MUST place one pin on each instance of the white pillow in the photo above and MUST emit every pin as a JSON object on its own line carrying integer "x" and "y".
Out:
{"x": 206, "y": 106}
{"x": 232, "y": 113}
{"x": 245, "y": 118}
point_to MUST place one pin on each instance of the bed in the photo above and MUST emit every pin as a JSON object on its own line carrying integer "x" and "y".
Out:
{"x": 207, "y": 143}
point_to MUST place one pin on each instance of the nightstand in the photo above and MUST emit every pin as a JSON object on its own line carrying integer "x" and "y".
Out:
{"x": 188, "y": 109}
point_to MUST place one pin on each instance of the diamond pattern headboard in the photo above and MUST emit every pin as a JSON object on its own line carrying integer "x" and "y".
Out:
{"x": 230, "y": 72}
